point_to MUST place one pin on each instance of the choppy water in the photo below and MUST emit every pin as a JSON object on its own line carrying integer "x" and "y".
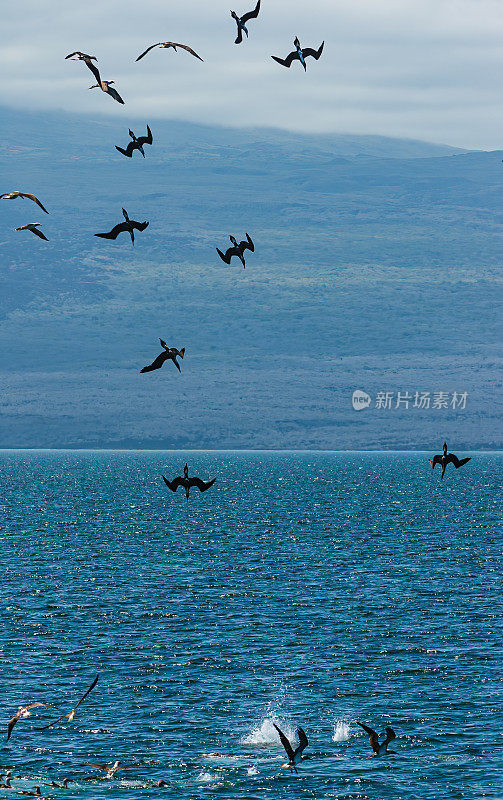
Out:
{"x": 312, "y": 589}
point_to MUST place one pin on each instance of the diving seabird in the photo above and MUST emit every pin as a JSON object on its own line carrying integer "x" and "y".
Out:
{"x": 136, "y": 143}
{"x": 71, "y": 714}
{"x": 88, "y": 60}
{"x": 379, "y": 749}
{"x": 23, "y": 712}
{"x": 174, "y": 45}
{"x": 237, "y": 249}
{"x": 241, "y": 22}
{"x": 33, "y": 227}
{"x": 129, "y": 225}
{"x": 169, "y": 353}
{"x": 300, "y": 54}
{"x": 13, "y": 195}
{"x": 187, "y": 482}
{"x": 447, "y": 458}
{"x": 105, "y": 87}
{"x": 294, "y": 756}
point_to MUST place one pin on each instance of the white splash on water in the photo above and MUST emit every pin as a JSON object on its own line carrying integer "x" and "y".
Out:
{"x": 265, "y": 733}
{"x": 341, "y": 731}
{"x": 252, "y": 771}
{"x": 206, "y": 777}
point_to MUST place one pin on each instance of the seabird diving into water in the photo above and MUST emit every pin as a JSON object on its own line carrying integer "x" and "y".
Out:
{"x": 129, "y": 225}
{"x": 294, "y": 756}
{"x": 33, "y": 227}
{"x": 169, "y": 353}
{"x": 13, "y": 195}
{"x": 88, "y": 60}
{"x": 379, "y": 749}
{"x": 241, "y": 22}
{"x": 447, "y": 458}
{"x": 237, "y": 249}
{"x": 22, "y": 713}
{"x": 105, "y": 87}
{"x": 166, "y": 45}
{"x": 300, "y": 54}
{"x": 136, "y": 143}
{"x": 71, "y": 714}
{"x": 187, "y": 482}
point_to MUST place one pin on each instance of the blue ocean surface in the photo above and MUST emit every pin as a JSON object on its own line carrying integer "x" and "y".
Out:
{"x": 312, "y": 589}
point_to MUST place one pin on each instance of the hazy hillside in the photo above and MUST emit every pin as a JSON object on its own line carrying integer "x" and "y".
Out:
{"x": 377, "y": 267}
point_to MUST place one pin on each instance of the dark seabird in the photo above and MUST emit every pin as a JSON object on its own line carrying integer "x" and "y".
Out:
{"x": 237, "y": 250}
{"x": 136, "y": 143}
{"x": 88, "y": 60}
{"x": 187, "y": 482}
{"x": 6, "y": 785}
{"x": 241, "y": 22}
{"x": 13, "y": 195}
{"x": 300, "y": 54}
{"x": 294, "y": 756}
{"x": 129, "y": 225}
{"x": 33, "y": 227}
{"x": 22, "y": 713}
{"x": 71, "y": 714}
{"x": 379, "y": 749}
{"x": 36, "y": 793}
{"x": 447, "y": 458}
{"x": 174, "y": 45}
{"x": 169, "y": 353}
{"x": 105, "y": 87}
{"x": 111, "y": 769}
{"x": 63, "y": 785}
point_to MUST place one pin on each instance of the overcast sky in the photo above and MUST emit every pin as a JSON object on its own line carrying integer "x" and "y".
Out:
{"x": 425, "y": 69}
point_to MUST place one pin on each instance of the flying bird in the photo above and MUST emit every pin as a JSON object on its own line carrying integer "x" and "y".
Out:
{"x": 105, "y": 86}
{"x": 88, "y": 60}
{"x": 174, "y": 45}
{"x": 33, "y": 227}
{"x": 129, "y": 225}
{"x": 237, "y": 249}
{"x": 22, "y": 713}
{"x": 379, "y": 749}
{"x": 111, "y": 769}
{"x": 447, "y": 458}
{"x": 187, "y": 482}
{"x": 71, "y": 714}
{"x": 300, "y": 54}
{"x": 13, "y": 195}
{"x": 136, "y": 143}
{"x": 294, "y": 756}
{"x": 241, "y": 22}
{"x": 169, "y": 353}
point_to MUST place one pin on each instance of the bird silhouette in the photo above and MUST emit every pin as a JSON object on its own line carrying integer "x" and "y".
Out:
{"x": 130, "y": 225}
{"x": 237, "y": 249}
{"x": 168, "y": 353}
{"x": 299, "y": 54}
{"x": 136, "y": 143}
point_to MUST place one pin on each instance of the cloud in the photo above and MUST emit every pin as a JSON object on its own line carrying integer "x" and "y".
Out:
{"x": 413, "y": 68}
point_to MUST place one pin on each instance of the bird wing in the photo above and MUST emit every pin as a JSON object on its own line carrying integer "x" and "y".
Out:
{"x": 115, "y": 94}
{"x": 239, "y": 37}
{"x": 308, "y": 51}
{"x": 201, "y": 485}
{"x": 76, "y": 53}
{"x": 65, "y": 716}
{"x": 93, "y": 69}
{"x": 157, "y": 363}
{"x": 286, "y": 62}
{"x": 390, "y": 735}
{"x": 373, "y": 737}
{"x": 303, "y": 741}
{"x": 251, "y": 14}
{"x": 148, "y": 139}
{"x": 435, "y": 460}
{"x": 458, "y": 462}
{"x": 106, "y": 767}
{"x": 12, "y": 722}
{"x": 184, "y": 47}
{"x": 140, "y": 226}
{"x": 129, "y": 149}
{"x": 286, "y": 744}
{"x": 248, "y": 244}
{"x": 35, "y": 200}
{"x": 39, "y": 234}
{"x": 174, "y": 484}
{"x": 225, "y": 256}
{"x": 113, "y": 234}
{"x": 158, "y": 44}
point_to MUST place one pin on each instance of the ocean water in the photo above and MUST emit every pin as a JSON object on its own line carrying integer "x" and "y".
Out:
{"x": 304, "y": 588}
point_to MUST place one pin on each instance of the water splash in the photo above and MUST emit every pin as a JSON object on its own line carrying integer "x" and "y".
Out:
{"x": 252, "y": 771}
{"x": 206, "y": 777}
{"x": 265, "y": 733}
{"x": 341, "y": 731}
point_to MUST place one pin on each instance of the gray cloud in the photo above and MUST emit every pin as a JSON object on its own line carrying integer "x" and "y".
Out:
{"x": 413, "y": 68}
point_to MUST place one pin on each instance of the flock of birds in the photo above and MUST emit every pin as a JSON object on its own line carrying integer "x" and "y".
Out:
{"x": 237, "y": 249}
